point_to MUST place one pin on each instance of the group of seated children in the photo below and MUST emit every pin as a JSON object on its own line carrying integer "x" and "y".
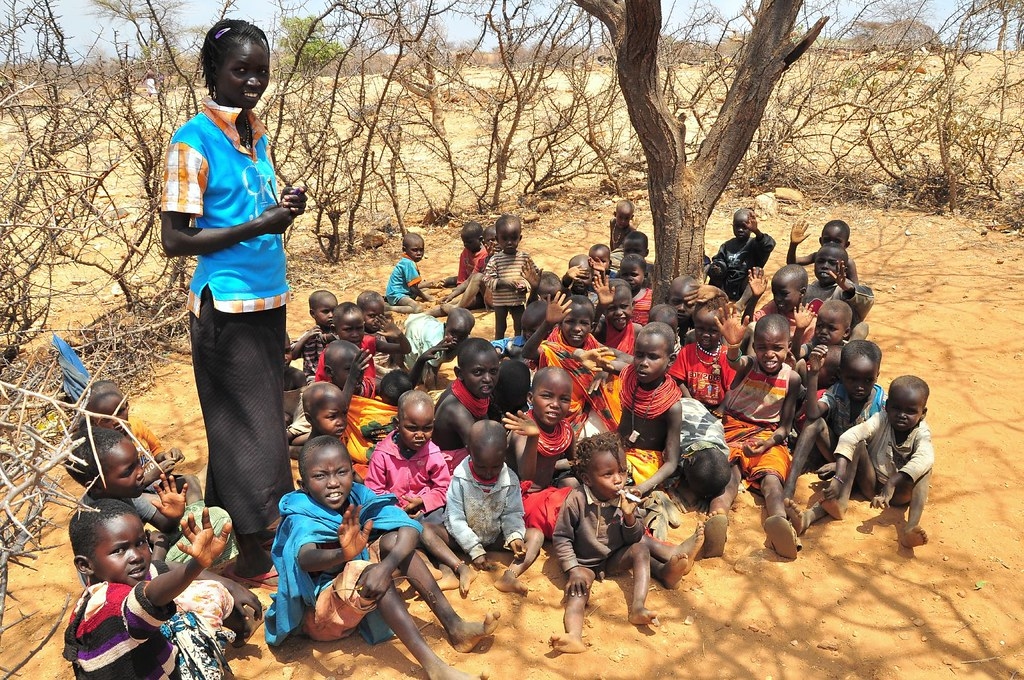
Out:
{"x": 592, "y": 427}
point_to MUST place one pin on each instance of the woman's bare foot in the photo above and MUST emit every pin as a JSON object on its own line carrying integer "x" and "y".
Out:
{"x": 913, "y": 537}
{"x": 716, "y": 532}
{"x": 568, "y": 643}
{"x": 642, "y": 616}
{"x": 508, "y": 583}
{"x": 800, "y": 519}
{"x": 443, "y": 671}
{"x": 464, "y": 636}
{"x": 682, "y": 559}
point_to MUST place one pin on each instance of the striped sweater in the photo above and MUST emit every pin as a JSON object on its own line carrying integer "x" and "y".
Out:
{"x": 115, "y": 634}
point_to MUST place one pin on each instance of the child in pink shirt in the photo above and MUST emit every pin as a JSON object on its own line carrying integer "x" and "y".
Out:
{"x": 408, "y": 464}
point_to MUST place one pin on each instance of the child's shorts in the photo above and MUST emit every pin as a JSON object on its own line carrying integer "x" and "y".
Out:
{"x": 339, "y": 608}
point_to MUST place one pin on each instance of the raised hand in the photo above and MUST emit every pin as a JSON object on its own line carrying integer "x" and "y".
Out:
{"x": 390, "y": 329}
{"x": 758, "y": 281}
{"x": 702, "y": 293}
{"x": 531, "y": 274}
{"x": 804, "y": 317}
{"x": 730, "y": 325}
{"x": 603, "y": 288}
{"x": 200, "y": 542}
{"x": 521, "y": 424}
{"x": 839, "y": 276}
{"x": 169, "y": 502}
{"x": 360, "y": 363}
{"x": 558, "y": 308}
{"x": 817, "y": 358}
{"x": 799, "y": 232}
{"x": 353, "y": 538}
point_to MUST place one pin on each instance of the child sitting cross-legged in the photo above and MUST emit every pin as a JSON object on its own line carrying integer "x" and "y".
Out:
{"x": 485, "y": 511}
{"x": 337, "y": 548}
{"x": 759, "y": 410}
{"x": 598, "y": 531}
{"x": 108, "y": 465}
{"x": 115, "y": 631}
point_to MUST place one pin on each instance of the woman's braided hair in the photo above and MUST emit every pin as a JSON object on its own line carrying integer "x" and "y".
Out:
{"x": 225, "y": 36}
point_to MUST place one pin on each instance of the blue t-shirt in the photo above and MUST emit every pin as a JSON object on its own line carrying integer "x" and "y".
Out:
{"x": 238, "y": 190}
{"x": 404, "y": 274}
{"x": 839, "y": 419}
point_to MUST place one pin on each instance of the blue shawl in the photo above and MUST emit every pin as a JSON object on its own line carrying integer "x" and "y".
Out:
{"x": 304, "y": 521}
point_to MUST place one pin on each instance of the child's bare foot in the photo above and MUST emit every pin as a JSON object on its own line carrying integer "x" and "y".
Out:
{"x": 434, "y": 571}
{"x": 643, "y": 616}
{"x": 448, "y": 580}
{"x": 913, "y": 537}
{"x": 443, "y": 671}
{"x": 682, "y": 559}
{"x": 464, "y": 636}
{"x": 568, "y": 643}
{"x": 466, "y": 576}
{"x": 781, "y": 536}
{"x": 800, "y": 519}
{"x": 716, "y": 532}
{"x": 508, "y": 583}
{"x": 834, "y": 507}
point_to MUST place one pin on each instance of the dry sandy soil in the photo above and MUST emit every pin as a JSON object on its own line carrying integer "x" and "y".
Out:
{"x": 853, "y": 605}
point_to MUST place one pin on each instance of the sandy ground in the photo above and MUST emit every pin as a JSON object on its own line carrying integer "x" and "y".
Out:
{"x": 853, "y": 605}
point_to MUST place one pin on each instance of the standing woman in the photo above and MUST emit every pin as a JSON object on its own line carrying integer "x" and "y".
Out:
{"x": 220, "y": 204}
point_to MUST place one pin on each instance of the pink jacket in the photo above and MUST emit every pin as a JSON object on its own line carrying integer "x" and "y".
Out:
{"x": 424, "y": 475}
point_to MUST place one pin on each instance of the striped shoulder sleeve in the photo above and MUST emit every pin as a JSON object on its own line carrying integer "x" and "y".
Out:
{"x": 185, "y": 177}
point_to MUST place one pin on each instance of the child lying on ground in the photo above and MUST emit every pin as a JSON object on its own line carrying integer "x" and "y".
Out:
{"x": 485, "y": 512}
{"x": 336, "y": 550}
{"x": 115, "y": 627}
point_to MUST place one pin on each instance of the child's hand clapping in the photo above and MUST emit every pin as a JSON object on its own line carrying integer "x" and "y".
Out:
{"x": 353, "y": 538}
{"x": 169, "y": 502}
{"x": 201, "y": 543}
{"x": 521, "y": 424}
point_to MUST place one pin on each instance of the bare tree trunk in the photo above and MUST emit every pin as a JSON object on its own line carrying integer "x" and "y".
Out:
{"x": 682, "y": 195}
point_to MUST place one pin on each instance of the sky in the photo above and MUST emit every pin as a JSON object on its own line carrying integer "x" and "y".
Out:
{"x": 84, "y": 29}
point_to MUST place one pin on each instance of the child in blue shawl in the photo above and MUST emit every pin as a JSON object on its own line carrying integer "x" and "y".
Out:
{"x": 336, "y": 549}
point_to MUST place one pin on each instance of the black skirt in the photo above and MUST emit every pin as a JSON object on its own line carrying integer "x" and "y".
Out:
{"x": 238, "y": 361}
